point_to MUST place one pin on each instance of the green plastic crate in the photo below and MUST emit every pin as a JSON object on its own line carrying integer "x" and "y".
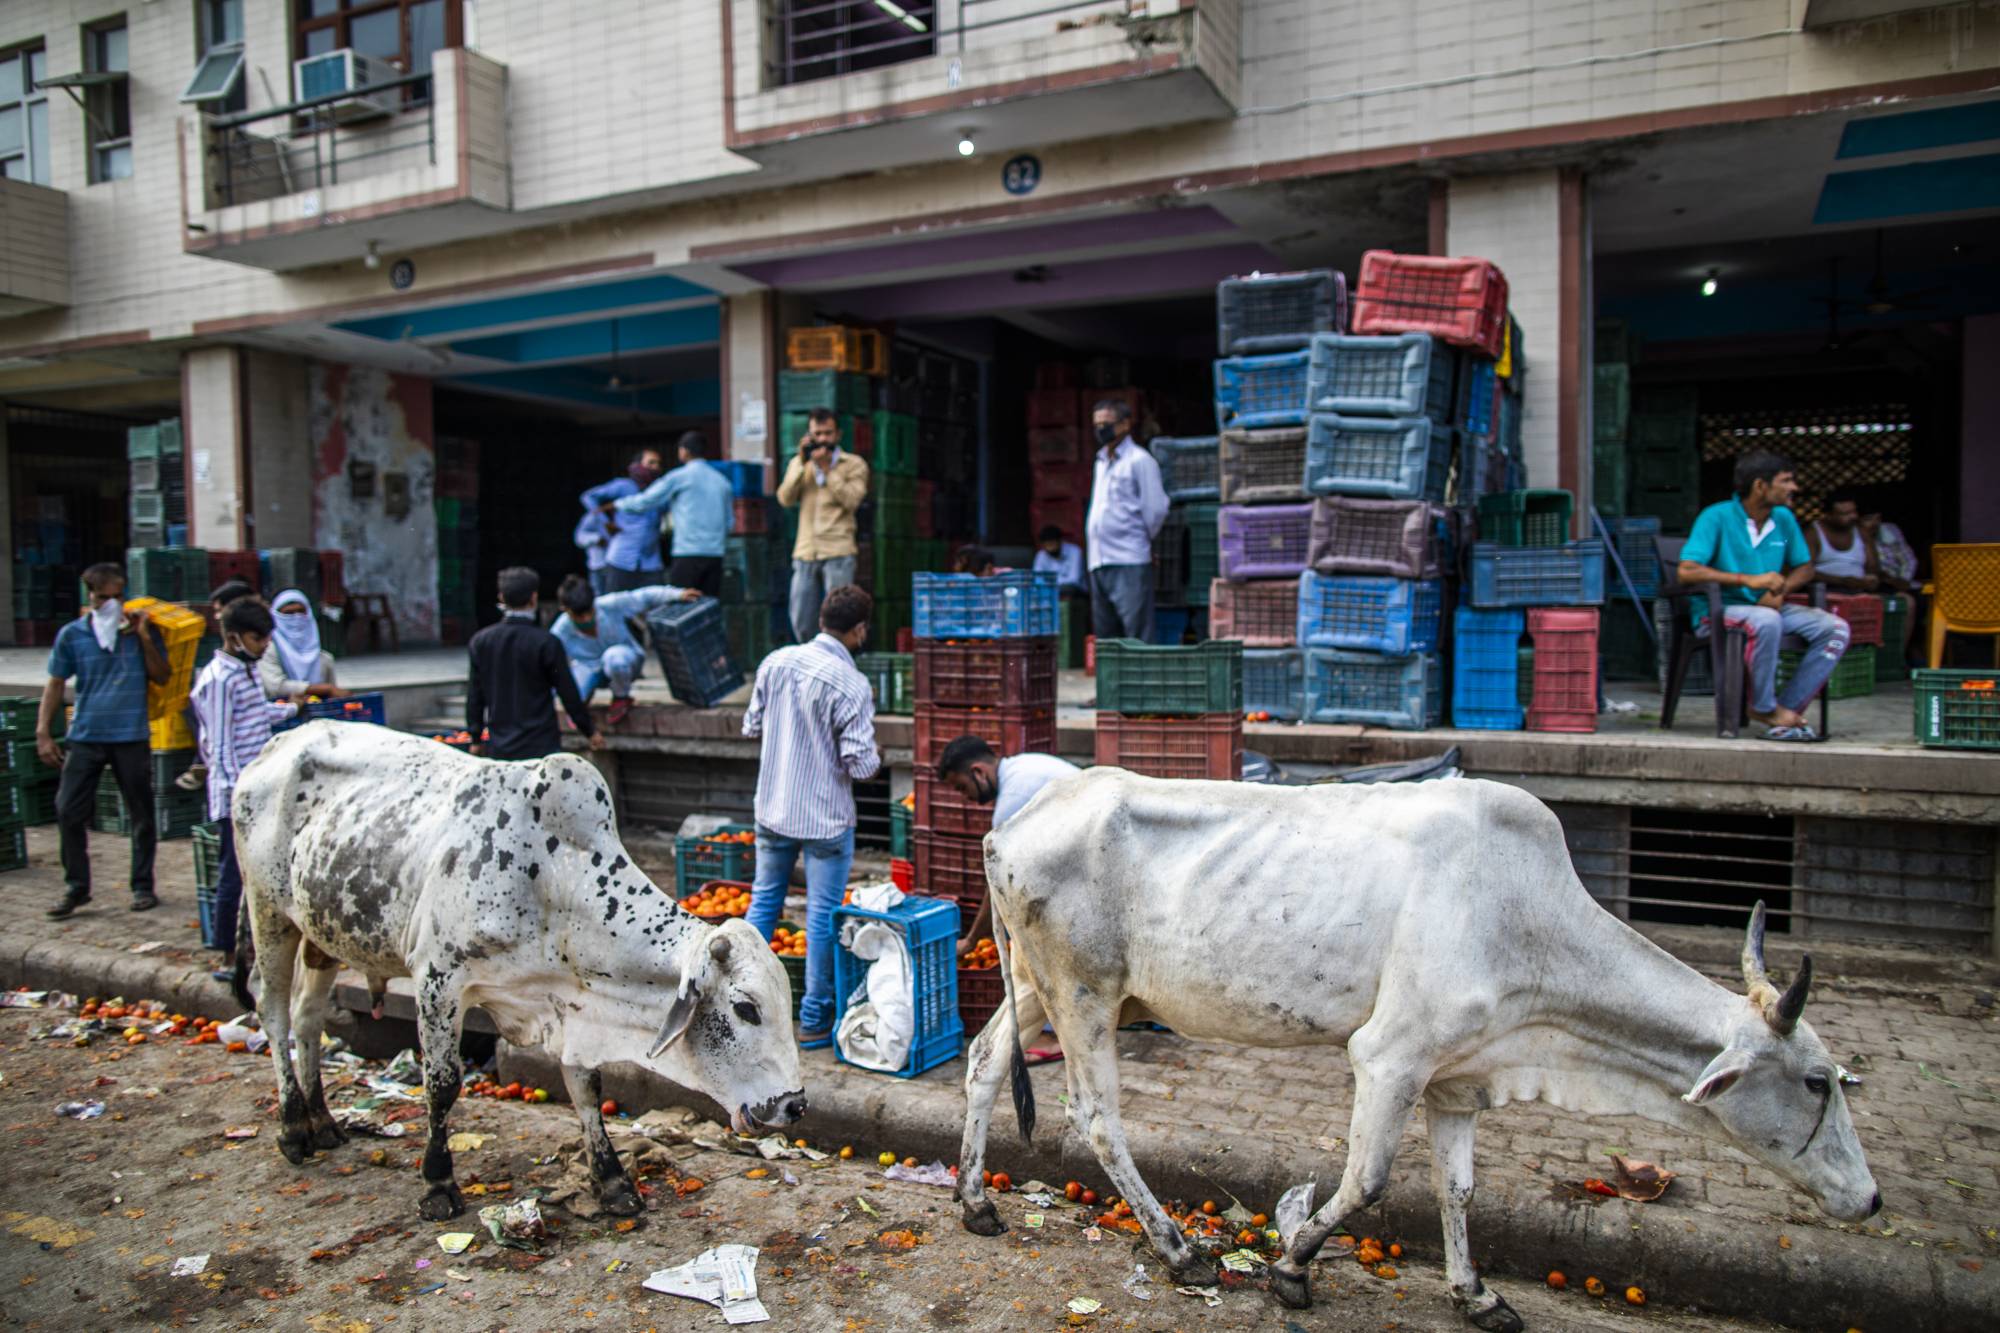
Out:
{"x": 207, "y": 840}
{"x": 895, "y": 447}
{"x": 1204, "y": 561}
{"x": 800, "y": 391}
{"x": 746, "y": 568}
{"x": 697, "y": 861}
{"x": 142, "y": 442}
{"x": 1135, "y": 677}
{"x": 891, "y": 616}
{"x": 1889, "y": 663}
{"x": 13, "y": 849}
{"x": 1611, "y": 402}
{"x": 892, "y": 556}
{"x": 892, "y": 676}
{"x": 1610, "y": 479}
{"x": 1656, "y": 433}
{"x": 1526, "y": 518}
{"x": 1666, "y": 472}
{"x": 1853, "y": 678}
{"x": 1624, "y": 648}
{"x": 902, "y": 819}
{"x": 1524, "y": 675}
{"x": 747, "y": 628}
{"x": 1957, "y": 710}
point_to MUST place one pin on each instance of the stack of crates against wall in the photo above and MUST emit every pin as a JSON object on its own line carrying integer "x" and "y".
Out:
{"x": 999, "y": 686}
{"x": 457, "y": 508}
{"x": 1664, "y": 456}
{"x": 1172, "y": 710}
{"x": 1611, "y": 406}
{"x": 836, "y": 347}
{"x": 1061, "y": 450}
{"x": 175, "y": 812}
{"x": 750, "y": 564}
{"x": 32, "y": 782}
{"x": 157, "y": 508}
{"x": 1564, "y": 693}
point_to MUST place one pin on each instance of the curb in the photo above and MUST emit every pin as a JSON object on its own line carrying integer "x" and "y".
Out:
{"x": 1715, "y": 1265}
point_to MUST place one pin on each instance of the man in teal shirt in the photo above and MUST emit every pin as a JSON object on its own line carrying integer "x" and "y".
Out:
{"x": 1751, "y": 546}
{"x": 702, "y": 504}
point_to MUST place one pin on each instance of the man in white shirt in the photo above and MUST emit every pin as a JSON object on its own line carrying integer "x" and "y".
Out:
{"x": 1128, "y": 504}
{"x": 1062, "y": 559}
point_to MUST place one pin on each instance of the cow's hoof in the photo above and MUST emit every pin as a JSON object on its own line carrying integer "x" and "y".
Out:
{"x": 1497, "y": 1318}
{"x": 1195, "y": 1272}
{"x": 982, "y": 1218}
{"x": 296, "y": 1145}
{"x": 620, "y": 1199}
{"x": 442, "y": 1203}
{"x": 1293, "y": 1288}
{"x": 327, "y": 1136}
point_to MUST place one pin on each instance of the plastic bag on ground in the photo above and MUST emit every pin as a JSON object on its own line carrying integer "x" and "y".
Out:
{"x": 876, "y": 1032}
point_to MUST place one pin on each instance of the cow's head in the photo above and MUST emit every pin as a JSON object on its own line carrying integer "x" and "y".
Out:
{"x": 728, "y": 1031}
{"x": 1778, "y": 1093}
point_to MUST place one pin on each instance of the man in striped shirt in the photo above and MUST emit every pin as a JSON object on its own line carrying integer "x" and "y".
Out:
{"x": 816, "y": 716}
{"x": 235, "y": 724}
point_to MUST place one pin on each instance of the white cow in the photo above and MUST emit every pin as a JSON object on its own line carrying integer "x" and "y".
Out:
{"x": 1437, "y": 930}
{"x": 501, "y": 885}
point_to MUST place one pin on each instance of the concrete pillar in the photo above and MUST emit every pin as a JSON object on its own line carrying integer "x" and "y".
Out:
{"x": 1532, "y": 224}
{"x": 749, "y": 376}
{"x": 279, "y": 449}
{"x": 7, "y": 499}
{"x": 213, "y": 435}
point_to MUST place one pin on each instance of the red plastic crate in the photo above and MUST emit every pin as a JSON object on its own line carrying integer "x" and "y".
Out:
{"x": 1052, "y": 407}
{"x": 1008, "y": 728}
{"x": 1462, "y": 301}
{"x": 1055, "y": 444}
{"x": 332, "y": 578}
{"x": 1090, "y": 654}
{"x": 752, "y": 516}
{"x": 926, "y": 515}
{"x": 1263, "y": 613}
{"x": 1067, "y": 515}
{"x": 952, "y": 867}
{"x": 903, "y": 874}
{"x": 979, "y": 673}
{"x": 1565, "y": 681}
{"x": 226, "y": 565}
{"x": 1209, "y": 745}
{"x": 981, "y": 992}
{"x": 1061, "y": 481}
{"x": 35, "y": 633}
{"x": 942, "y": 810}
{"x": 906, "y": 639}
{"x": 1863, "y": 612}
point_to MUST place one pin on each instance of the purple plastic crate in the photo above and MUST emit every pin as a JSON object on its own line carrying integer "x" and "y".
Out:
{"x": 1264, "y": 541}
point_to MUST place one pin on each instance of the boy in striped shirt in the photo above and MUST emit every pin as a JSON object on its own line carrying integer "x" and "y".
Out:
{"x": 236, "y": 722}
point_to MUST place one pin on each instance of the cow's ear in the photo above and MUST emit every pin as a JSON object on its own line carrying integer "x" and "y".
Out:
{"x": 686, "y": 996}
{"x": 1719, "y": 1077}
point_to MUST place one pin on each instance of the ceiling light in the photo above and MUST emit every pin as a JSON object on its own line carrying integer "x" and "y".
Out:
{"x": 965, "y": 145}
{"x": 373, "y": 259}
{"x": 1709, "y": 284}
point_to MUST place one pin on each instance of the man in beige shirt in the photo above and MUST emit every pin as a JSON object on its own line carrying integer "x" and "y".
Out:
{"x": 826, "y": 485}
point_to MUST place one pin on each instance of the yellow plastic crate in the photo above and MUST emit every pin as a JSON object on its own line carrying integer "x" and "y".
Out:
{"x": 166, "y": 704}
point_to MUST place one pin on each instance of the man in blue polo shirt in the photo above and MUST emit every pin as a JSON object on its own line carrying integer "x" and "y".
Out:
{"x": 632, "y": 549}
{"x": 702, "y": 504}
{"x": 1752, "y": 547}
{"x": 112, "y": 653}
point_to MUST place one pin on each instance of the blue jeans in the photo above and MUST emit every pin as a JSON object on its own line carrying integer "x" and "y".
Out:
{"x": 228, "y": 890}
{"x": 827, "y": 863}
{"x": 1826, "y": 642}
{"x": 619, "y": 667}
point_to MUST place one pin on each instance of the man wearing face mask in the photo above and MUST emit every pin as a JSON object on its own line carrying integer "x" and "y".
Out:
{"x": 1128, "y": 505}
{"x": 632, "y": 545}
{"x": 113, "y": 653}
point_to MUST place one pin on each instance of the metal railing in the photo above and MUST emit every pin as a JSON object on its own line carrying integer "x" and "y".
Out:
{"x": 316, "y": 143}
{"x": 823, "y": 39}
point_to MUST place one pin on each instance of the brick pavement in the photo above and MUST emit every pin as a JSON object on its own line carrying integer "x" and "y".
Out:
{"x": 1928, "y": 1113}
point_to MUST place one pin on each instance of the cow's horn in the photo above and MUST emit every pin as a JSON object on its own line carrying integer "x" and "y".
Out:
{"x": 718, "y": 947}
{"x": 1785, "y": 1016}
{"x": 1753, "y": 950}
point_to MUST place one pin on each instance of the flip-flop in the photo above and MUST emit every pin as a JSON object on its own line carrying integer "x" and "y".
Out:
{"x": 1802, "y": 732}
{"x": 815, "y": 1043}
{"x": 1038, "y": 1056}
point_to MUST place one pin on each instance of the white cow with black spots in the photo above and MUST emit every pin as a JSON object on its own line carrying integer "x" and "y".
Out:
{"x": 500, "y": 885}
{"x": 1436, "y": 930}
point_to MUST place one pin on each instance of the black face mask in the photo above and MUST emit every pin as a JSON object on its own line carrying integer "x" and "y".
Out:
{"x": 1106, "y": 434}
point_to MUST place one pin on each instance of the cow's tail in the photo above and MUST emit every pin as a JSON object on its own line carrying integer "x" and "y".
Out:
{"x": 1022, "y": 1085}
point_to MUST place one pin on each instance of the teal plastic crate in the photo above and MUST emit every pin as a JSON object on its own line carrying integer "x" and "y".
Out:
{"x": 891, "y": 676}
{"x": 698, "y": 860}
{"x": 1135, "y": 677}
{"x": 1526, "y": 518}
{"x": 1957, "y": 710}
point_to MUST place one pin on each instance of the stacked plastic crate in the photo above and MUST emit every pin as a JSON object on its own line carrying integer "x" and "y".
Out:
{"x": 158, "y": 495}
{"x": 751, "y": 559}
{"x": 1171, "y": 711}
{"x": 986, "y": 667}
{"x": 27, "y": 785}
{"x": 1059, "y": 452}
{"x": 1867, "y": 628}
{"x": 1626, "y": 647}
{"x": 1265, "y": 324}
{"x": 1611, "y": 410}
{"x": 457, "y": 506}
{"x": 1664, "y": 452}
{"x": 1527, "y": 574}
{"x": 1184, "y": 552}
{"x": 837, "y": 368}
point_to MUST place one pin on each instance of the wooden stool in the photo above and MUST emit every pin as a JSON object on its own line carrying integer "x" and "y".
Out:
{"x": 370, "y": 611}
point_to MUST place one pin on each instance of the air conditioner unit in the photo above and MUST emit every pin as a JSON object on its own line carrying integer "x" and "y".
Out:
{"x": 348, "y": 71}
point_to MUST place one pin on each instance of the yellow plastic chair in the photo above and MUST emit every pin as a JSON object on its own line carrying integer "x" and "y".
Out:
{"x": 1965, "y": 594}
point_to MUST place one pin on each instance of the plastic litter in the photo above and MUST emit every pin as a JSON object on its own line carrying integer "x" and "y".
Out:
{"x": 240, "y": 1132}
{"x": 456, "y": 1242}
{"x": 1244, "y": 1261}
{"x": 1138, "y": 1285}
{"x": 89, "y": 1110}
{"x": 458, "y": 1275}
{"x": 1209, "y": 1296}
{"x": 37, "y": 999}
{"x": 515, "y": 1225}
{"x": 466, "y": 1141}
{"x": 725, "y": 1277}
{"x": 373, "y": 1120}
{"x": 1084, "y": 1305}
{"x": 936, "y": 1173}
{"x": 405, "y": 1069}
{"x": 192, "y": 1265}
{"x": 243, "y": 1028}
{"x": 1294, "y": 1208}
{"x": 1032, "y": 1221}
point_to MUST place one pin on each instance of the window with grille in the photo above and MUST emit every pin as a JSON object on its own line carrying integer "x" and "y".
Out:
{"x": 24, "y": 116}
{"x": 1846, "y": 446}
{"x": 108, "y": 104}
{"x": 821, "y": 39}
{"x": 407, "y": 32}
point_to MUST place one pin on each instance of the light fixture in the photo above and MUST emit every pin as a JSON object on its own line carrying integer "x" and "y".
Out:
{"x": 901, "y": 15}
{"x": 965, "y": 144}
{"x": 373, "y": 259}
{"x": 1709, "y": 284}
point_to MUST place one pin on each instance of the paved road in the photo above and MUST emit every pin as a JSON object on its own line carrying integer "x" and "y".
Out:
{"x": 96, "y": 1212}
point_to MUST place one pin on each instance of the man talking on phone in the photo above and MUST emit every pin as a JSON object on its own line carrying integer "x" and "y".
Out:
{"x": 826, "y": 484}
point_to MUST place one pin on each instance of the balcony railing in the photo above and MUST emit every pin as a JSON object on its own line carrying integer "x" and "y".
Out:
{"x": 315, "y": 141}
{"x": 821, "y": 39}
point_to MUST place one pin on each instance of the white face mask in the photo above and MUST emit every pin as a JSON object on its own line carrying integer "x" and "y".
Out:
{"x": 104, "y": 623}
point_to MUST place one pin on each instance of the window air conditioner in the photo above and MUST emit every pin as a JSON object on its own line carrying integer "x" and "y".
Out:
{"x": 348, "y": 71}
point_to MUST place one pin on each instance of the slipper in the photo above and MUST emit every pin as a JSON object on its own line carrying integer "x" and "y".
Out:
{"x": 813, "y": 1041}
{"x": 1801, "y": 732}
{"x": 1038, "y": 1056}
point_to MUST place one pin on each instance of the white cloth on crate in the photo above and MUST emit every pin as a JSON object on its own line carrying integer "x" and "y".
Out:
{"x": 880, "y": 1024}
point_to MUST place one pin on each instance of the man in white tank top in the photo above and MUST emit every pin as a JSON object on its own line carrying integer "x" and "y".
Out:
{"x": 1843, "y": 557}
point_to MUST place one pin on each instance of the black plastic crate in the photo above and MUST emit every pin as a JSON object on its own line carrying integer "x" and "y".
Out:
{"x": 692, "y": 643}
{"x": 1277, "y": 312}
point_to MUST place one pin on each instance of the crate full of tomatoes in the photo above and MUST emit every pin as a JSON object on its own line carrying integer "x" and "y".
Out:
{"x": 981, "y": 988}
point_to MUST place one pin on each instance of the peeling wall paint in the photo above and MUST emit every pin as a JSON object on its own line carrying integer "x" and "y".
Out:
{"x": 382, "y": 422}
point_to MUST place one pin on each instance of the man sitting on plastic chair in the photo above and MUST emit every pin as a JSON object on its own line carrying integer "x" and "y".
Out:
{"x": 1751, "y": 547}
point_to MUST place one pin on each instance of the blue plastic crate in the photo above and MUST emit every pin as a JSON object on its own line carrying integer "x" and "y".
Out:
{"x": 1484, "y": 666}
{"x": 1276, "y": 312}
{"x": 1482, "y": 469}
{"x": 1014, "y": 605}
{"x": 1393, "y": 375}
{"x": 930, "y": 933}
{"x": 1404, "y": 693}
{"x": 1633, "y": 539}
{"x": 1507, "y": 429}
{"x": 1274, "y": 682}
{"x": 1568, "y": 575}
{"x": 372, "y": 708}
{"x": 747, "y": 479}
{"x": 1476, "y": 382}
{"x": 1252, "y": 392}
{"x": 1369, "y": 613}
{"x": 1170, "y": 625}
{"x": 1190, "y": 467}
{"x": 1393, "y": 458}
{"x": 691, "y": 640}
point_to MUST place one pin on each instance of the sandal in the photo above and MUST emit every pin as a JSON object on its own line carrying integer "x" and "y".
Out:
{"x": 1802, "y": 732}
{"x": 1038, "y": 1056}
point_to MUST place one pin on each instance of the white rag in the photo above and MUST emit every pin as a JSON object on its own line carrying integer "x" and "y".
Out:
{"x": 105, "y": 622}
{"x": 877, "y": 1031}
